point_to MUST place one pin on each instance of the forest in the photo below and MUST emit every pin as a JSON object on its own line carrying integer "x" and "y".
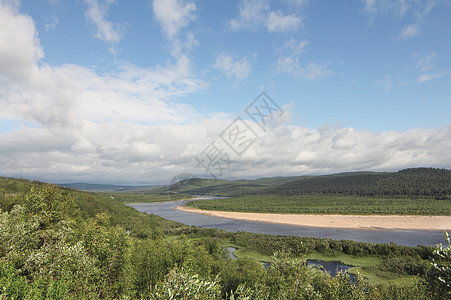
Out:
{"x": 408, "y": 183}
{"x": 60, "y": 243}
{"x": 413, "y": 182}
{"x": 329, "y": 204}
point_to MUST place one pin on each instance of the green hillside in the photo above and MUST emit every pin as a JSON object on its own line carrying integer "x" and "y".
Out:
{"x": 409, "y": 182}
{"x": 415, "y": 182}
{"x": 13, "y": 191}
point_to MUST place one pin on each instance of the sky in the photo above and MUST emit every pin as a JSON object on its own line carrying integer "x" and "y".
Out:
{"x": 138, "y": 92}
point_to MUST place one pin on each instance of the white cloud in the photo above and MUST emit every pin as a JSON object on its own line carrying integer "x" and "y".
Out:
{"x": 255, "y": 13}
{"x": 290, "y": 62}
{"x": 369, "y": 6}
{"x": 233, "y": 67}
{"x": 296, "y": 2}
{"x": 18, "y": 53}
{"x": 398, "y": 7}
{"x": 314, "y": 70}
{"x": 295, "y": 47}
{"x": 402, "y": 9}
{"x": 13, "y": 5}
{"x": 191, "y": 41}
{"x": 430, "y": 76}
{"x": 65, "y": 96}
{"x": 173, "y": 15}
{"x": 409, "y": 31}
{"x": 279, "y": 22}
{"x": 251, "y": 14}
{"x": 424, "y": 62}
{"x": 105, "y": 30}
{"x": 124, "y": 152}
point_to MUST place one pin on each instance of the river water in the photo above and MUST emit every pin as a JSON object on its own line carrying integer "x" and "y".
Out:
{"x": 401, "y": 237}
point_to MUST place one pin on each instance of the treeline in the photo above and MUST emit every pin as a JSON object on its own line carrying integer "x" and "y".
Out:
{"x": 415, "y": 182}
{"x": 328, "y": 204}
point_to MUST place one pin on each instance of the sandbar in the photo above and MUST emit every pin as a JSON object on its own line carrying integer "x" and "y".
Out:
{"x": 363, "y": 222}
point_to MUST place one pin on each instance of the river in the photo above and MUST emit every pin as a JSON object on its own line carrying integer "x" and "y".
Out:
{"x": 401, "y": 237}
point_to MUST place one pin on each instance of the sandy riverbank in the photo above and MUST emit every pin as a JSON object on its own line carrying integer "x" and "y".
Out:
{"x": 367, "y": 222}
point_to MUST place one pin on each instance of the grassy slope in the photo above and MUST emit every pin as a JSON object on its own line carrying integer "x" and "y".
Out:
{"x": 13, "y": 191}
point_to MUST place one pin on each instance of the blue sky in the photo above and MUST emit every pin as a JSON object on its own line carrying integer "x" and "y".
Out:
{"x": 109, "y": 91}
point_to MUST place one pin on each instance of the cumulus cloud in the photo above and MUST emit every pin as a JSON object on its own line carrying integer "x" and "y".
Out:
{"x": 105, "y": 30}
{"x": 254, "y": 13}
{"x": 236, "y": 68}
{"x": 123, "y": 152}
{"x": 173, "y": 15}
{"x": 18, "y": 53}
{"x": 85, "y": 123}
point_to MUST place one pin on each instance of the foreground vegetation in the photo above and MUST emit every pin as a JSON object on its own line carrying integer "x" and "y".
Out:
{"x": 328, "y": 204}
{"x": 60, "y": 244}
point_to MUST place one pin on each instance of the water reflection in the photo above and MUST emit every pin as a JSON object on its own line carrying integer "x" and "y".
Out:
{"x": 331, "y": 267}
{"x": 229, "y": 252}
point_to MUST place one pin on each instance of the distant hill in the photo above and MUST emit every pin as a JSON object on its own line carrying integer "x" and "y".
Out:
{"x": 92, "y": 187}
{"x": 414, "y": 182}
{"x": 198, "y": 186}
{"x": 405, "y": 183}
{"x": 409, "y": 182}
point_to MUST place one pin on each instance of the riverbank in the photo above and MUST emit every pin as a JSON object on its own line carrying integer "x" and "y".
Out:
{"x": 363, "y": 222}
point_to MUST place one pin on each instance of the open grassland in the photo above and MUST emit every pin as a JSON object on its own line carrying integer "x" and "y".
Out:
{"x": 328, "y": 204}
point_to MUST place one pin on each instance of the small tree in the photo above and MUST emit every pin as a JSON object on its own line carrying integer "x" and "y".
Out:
{"x": 439, "y": 277}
